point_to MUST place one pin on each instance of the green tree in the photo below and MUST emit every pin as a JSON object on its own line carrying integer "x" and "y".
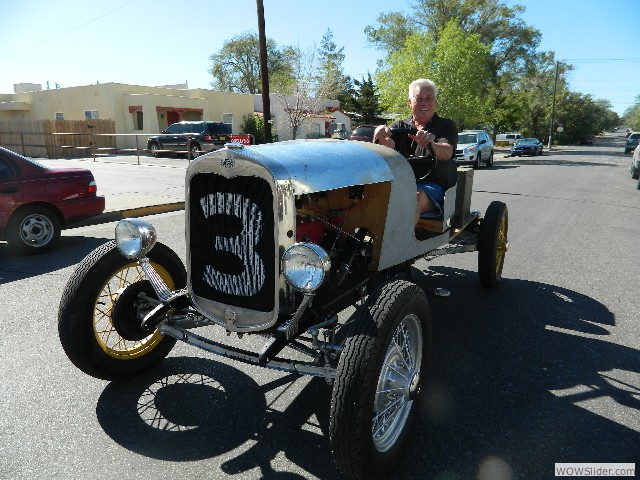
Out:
{"x": 236, "y": 67}
{"x": 392, "y": 32}
{"x": 631, "y": 115}
{"x": 456, "y": 64}
{"x": 332, "y": 81}
{"x": 364, "y": 105}
{"x": 254, "y": 125}
{"x": 493, "y": 23}
{"x": 582, "y": 116}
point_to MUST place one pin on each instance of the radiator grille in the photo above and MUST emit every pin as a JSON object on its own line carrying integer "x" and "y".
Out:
{"x": 231, "y": 239}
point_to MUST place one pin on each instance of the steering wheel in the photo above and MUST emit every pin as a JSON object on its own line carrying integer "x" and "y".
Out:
{"x": 422, "y": 166}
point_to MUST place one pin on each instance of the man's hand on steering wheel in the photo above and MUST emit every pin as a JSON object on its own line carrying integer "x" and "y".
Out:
{"x": 424, "y": 138}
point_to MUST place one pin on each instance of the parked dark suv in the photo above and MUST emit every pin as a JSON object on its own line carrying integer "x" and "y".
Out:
{"x": 202, "y": 137}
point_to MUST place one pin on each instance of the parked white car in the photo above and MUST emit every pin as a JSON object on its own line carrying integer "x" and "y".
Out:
{"x": 476, "y": 147}
{"x": 509, "y": 137}
{"x": 635, "y": 165}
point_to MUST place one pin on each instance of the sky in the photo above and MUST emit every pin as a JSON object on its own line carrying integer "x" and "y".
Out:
{"x": 159, "y": 42}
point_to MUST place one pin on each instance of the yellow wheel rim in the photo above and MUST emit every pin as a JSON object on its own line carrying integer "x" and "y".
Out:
{"x": 106, "y": 335}
{"x": 502, "y": 244}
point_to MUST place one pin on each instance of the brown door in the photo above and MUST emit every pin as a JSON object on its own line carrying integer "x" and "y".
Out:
{"x": 172, "y": 117}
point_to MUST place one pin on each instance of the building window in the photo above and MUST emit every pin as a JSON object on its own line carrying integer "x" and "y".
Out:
{"x": 59, "y": 115}
{"x": 228, "y": 119}
{"x": 137, "y": 120}
{"x": 91, "y": 115}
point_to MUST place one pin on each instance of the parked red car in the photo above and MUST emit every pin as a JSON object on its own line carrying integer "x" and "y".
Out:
{"x": 37, "y": 202}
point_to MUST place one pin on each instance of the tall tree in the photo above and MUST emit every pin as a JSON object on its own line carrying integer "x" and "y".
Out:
{"x": 495, "y": 25}
{"x": 391, "y": 33}
{"x": 631, "y": 115}
{"x": 456, "y": 64}
{"x": 364, "y": 104}
{"x": 331, "y": 78}
{"x": 236, "y": 67}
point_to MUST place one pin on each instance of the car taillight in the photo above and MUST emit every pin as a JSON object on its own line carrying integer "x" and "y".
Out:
{"x": 93, "y": 187}
{"x": 207, "y": 138}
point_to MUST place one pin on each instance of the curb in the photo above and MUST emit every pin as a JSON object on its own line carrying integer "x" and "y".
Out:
{"x": 117, "y": 215}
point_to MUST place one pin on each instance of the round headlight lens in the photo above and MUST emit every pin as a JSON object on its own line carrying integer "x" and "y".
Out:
{"x": 135, "y": 237}
{"x": 305, "y": 265}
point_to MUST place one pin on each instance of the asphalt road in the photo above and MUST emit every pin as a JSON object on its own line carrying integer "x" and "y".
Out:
{"x": 543, "y": 369}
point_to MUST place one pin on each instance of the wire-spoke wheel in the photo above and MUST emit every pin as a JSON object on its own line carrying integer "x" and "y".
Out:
{"x": 378, "y": 380}
{"x": 103, "y": 305}
{"x": 397, "y": 384}
{"x": 493, "y": 244}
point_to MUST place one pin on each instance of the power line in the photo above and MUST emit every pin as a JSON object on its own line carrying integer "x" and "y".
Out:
{"x": 601, "y": 60}
{"x": 68, "y": 31}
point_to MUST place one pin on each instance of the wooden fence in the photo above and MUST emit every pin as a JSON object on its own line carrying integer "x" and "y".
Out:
{"x": 57, "y": 138}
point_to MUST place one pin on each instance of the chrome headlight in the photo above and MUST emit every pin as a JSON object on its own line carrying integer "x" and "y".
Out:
{"x": 305, "y": 265}
{"x": 135, "y": 237}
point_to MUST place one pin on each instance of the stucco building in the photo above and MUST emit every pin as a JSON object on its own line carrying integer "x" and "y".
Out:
{"x": 136, "y": 110}
{"x": 140, "y": 111}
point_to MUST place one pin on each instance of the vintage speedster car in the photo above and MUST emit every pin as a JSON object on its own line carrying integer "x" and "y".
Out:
{"x": 280, "y": 239}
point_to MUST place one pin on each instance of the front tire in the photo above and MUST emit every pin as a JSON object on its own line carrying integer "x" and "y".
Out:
{"x": 34, "y": 229}
{"x": 374, "y": 398}
{"x": 493, "y": 244}
{"x": 101, "y": 309}
{"x": 154, "y": 149}
{"x": 635, "y": 173}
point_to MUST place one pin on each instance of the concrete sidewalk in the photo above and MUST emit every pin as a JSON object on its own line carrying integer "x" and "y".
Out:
{"x": 132, "y": 189}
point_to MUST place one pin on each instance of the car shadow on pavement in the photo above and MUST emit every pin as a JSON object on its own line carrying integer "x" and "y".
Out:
{"x": 513, "y": 371}
{"x": 68, "y": 252}
{"x": 194, "y": 408}
{"x": 516, "y": 375}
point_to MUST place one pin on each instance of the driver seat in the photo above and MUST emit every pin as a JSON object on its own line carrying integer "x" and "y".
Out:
{"x": 446, "y": 174}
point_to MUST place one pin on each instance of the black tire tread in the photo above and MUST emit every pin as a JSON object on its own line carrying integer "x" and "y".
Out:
{"x": 75, "y": 330}
{"x": 350, "y": 434}
{"x": 13, "y": 238}
{"x": 488, "y": 243}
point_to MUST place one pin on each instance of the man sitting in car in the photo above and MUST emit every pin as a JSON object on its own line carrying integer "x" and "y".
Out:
{"x": 441, "y": 134}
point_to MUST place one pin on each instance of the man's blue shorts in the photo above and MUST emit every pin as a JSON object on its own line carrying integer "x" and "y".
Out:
{"x": 435, "y": 192}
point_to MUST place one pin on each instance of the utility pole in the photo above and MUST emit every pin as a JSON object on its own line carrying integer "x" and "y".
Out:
{"x": 264, "y": 74}
{"x": 553, "y": 105}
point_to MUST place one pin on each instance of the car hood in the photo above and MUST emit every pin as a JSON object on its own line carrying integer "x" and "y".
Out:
{"x": 464, "y": 145}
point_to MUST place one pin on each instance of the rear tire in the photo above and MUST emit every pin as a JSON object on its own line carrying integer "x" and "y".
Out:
{"x": 33, "y": 229}
{"x": 635, "y": 173}
{"x": 101, "y": 308}
{"x": 489, "y": 162}
{"x": 194, "y": 150}
{"x": 374, "y": 398}
{"x": 478, "y": 163}
{"x": 493, "y": 244}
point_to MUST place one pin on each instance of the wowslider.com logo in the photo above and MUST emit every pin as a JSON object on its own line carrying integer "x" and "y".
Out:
{"x": 595, "y": 470}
